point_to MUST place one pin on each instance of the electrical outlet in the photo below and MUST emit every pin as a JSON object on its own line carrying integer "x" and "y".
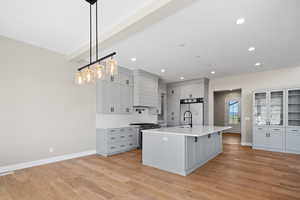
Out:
{"x": 51, "y": 150}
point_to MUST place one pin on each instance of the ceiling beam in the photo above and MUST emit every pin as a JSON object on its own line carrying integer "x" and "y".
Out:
{"x": 143, "y": 18}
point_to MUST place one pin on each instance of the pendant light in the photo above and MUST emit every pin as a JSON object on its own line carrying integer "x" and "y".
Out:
{"x": 100, "y": 68}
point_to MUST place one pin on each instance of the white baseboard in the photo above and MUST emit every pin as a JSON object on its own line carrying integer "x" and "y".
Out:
{"x": 9, "y": 169}
{"x": 246, "y": 144}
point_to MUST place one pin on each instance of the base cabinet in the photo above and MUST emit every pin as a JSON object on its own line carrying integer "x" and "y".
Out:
{"x": 199, "y": 150}
{"x": 269, "y": 138}
{"x": 293, "y": 140}
{"x": 116, "y": 140}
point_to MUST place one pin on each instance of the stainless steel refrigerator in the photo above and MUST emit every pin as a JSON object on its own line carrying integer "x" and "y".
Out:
{"x": 196, "y": 106}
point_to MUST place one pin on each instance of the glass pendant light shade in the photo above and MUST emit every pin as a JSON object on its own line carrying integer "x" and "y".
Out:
{"x": 79, "y": 78}
{"x": 89, "y": 75}
{"x": 111, "y": 67}
{"x": 99, "y": 71}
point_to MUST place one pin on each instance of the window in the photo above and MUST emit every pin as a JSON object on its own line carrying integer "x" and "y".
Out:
{"x": 233, "y": 112}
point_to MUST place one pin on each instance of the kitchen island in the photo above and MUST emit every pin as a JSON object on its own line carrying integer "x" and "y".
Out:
{"x": 181, "y": 149}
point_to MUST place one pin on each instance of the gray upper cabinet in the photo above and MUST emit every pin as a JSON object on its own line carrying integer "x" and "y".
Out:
{"x": 145, "y": 89}
{"x": 115, "y": 93}
{"x": 173, "y": 106}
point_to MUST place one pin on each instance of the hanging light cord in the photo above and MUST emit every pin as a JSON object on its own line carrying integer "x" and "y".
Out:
{"x": 97, "y": 30}
{"x": 98, "y": 60}
{"x": 91, "y": 33}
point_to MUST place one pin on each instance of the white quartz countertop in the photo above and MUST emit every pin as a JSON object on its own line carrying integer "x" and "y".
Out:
{"x": 196, "y": 131}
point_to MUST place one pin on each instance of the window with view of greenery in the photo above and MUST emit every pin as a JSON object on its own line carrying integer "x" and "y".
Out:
{"x": 233, "y": 112}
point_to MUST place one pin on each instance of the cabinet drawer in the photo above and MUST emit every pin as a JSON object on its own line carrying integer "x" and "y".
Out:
{"x": 260, "y": 129}
{"x": 113, "y": 131}
{"x": 293, "y": 130}
{"x": 276, "y": 130}
{"x": 113, "y": 138}
{"x": 112, "y": 148}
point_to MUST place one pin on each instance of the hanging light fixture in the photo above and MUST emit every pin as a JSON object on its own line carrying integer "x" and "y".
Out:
{"x": 96, "y": 69}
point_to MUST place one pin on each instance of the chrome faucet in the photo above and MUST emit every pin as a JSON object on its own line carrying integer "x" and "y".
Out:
{"x": 190, "y": 117}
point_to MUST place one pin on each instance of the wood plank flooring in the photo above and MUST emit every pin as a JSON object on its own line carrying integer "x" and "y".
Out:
{"x": 231, "y": 138}
{"x": 238, "y": 173}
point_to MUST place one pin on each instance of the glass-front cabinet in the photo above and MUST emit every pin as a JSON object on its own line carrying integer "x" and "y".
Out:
{"x": 276, "y": 108}
{"x": 293, "y": 99}
{"x": 269, "y": 108}
{"x": 260, "y": 114}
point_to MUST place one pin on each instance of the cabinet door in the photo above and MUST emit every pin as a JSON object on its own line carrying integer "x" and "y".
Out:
{"x": 293, "y": 101}
{"x": 173, "y": 106}
{"x": 209, "y": 147}
{"x": 125, "y": 99}
{"x": 112, "y": 98}
{"x": 126, "y": 79}
{"x": 260, "y": 112}
{"x": 293, "y": 140}
{"x": 276, "y": 108}
{"x": 259, "y": 137}
{"x": 195, "y": 90}
{"x": 275, "y": 138}
{"x": 218, "y": 143}
{"x": 191, "y": 149}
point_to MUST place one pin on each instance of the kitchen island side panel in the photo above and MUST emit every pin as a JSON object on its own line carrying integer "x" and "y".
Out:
{"x": 164, "y": 151}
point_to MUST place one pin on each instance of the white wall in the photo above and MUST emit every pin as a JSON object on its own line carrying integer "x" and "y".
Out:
{"x": 282, "y": 78}
{"x": 41, "y": 107}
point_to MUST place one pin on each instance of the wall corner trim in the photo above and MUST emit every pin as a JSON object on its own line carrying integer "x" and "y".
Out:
{"x": 246, "y": 144}
{"x": 10, "y": 168}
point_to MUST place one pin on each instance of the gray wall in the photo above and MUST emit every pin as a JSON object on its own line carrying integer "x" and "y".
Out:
{"x": 220, "y": 99}
{"x": 41, "y": 107}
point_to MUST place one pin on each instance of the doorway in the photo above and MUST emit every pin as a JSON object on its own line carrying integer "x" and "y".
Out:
{"x": 227, "y": 112}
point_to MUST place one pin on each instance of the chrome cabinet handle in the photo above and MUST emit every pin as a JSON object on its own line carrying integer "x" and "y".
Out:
{"x": 112, "y": 138}
{"x": 122, "y": 145}
{"x": 112, "y": 147}
{"x": 130, "y": 135}
{"x": 277, "y": 129}
{"x": 122, "y": 136}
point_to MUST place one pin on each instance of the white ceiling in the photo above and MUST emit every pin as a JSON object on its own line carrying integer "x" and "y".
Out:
{"x": 60, "y": 25}
{"x": 206, "y": 27}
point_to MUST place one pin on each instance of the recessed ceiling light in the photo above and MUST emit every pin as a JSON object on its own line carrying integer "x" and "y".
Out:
{"x": 251, "y": 49}
{"x": 181, "y": 45}
{"x": 240, "y": 21}
{"x": 133, "y": 59}
{"x": 258, "y": 64}
{"x": 182, "y": 78}
{"x": 163, "y": 70}
{"x": 213, "y": 72}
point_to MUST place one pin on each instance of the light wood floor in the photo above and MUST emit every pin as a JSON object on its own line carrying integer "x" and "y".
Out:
{"x": 238, "y": 173}
{"x": 231, "y": 138}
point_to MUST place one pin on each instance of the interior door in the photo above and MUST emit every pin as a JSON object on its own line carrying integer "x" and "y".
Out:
{"x": 233, "y": 114}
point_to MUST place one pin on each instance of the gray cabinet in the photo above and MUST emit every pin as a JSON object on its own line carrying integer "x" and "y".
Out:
{"x": 116, "y": 140}
{"x": 199, "y": 150}
{"x": 293, "y": 140}
{"x": 173, "y": 106}
{"x": 114, "y": 95}
{"x": 269, "y": 119}
{"x": 275, "y": 120}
